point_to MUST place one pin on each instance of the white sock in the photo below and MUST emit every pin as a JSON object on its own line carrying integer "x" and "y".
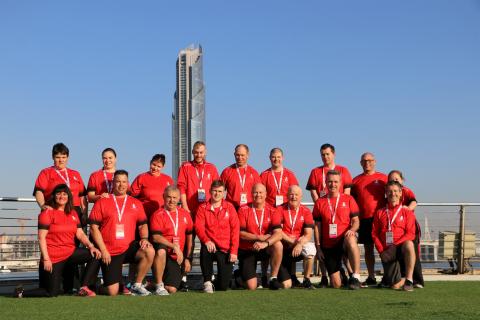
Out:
{"x": 137, "y": 284}
{"x": 160, "y": 285}
{"x": 356, "y": 276}
{"x": 411, "y": 280}
{"x": 272, "y": 277}
{"x": 184, "y": 278}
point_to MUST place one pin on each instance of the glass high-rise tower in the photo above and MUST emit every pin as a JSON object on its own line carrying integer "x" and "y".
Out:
{"x": 188, "y": 118}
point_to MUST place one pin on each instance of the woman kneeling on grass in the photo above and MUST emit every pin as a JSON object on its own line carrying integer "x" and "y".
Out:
{"x": 58, "y": 226}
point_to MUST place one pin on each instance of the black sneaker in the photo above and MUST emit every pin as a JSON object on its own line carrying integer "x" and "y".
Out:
{"x": 323, "y": 282}
{"x": 370, "y": 282}
{"x": 408, "y": 286}
{"x": 264, "y": 282}
{"x": 18, "y": 292}
{"x": 295, "y": 282}
{"x": 345, "y": 279}
{"x": 307, "y": 284}
{"x": 183, "y": 286}
{"x": 353, "y": 283}
{"x": 274, "y": 284}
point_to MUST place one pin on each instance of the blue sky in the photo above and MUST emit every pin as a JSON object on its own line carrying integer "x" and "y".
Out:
{"x": 397, "y": 78}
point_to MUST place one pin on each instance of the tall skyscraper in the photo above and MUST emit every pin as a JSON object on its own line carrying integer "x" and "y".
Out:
{"x": 188, "y": 118}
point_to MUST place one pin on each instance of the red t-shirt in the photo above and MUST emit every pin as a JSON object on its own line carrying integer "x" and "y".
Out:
{"x": 407, "y": 196}
{"x": 231, "y": 177}
{"x": 248, "y": 223}
{"x": 49, "y": 178}
{"x": 403, "y": 227}
{"x": 161, "y": 224}
{"x": 277, "y": 185}
{"x": 61, "y": 228}
{"x": 303, "y": 220}
{"x": 149, "y": 190}
{"x": 105, "y": 215}
{"x": 369, "y": 191}
{"x": 193, "y": 176}
{"x": 97, "y": 182}
{"x": 318, "y": 178}
{"x": 219, "y": 225}
{"x": 322, "y": 212}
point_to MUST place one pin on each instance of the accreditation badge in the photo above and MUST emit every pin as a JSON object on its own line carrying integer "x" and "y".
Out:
{"x": 243, "y": 198}
{"x": 278, "y": 200}
{"x": 332, "y": 230}
{"x": 322, "y": 193}
{"x": 119, "y": 231}
{"x": 389, "y": 237}
{"x": 201, "y": 195}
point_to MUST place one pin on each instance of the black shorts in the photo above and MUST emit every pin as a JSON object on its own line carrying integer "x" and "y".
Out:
{"x": 287, "y": 261}
{"x": 247, "y": 261}
{"x": 365, "y": 231}
{"x": 394, "y": 270}
{"x": 334, "y": 257}
{"x": 113, "y": 272}
{"x": 172, "y": 276}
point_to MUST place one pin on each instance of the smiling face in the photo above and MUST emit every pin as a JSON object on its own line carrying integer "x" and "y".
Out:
{"x": 61, "y": 199}
{"x": 276, "y": 159}
{"x": 241, "y": 156}
{"x": 199, "y": 154}
{"x": 294, "y": 196}
{"x": 333, "y": 184}
{"x": 259, "y": 194}
{"x": 394, "y": 195}
{"x": 328, "y": 157}
{"x": 171, "y": 198}
{"x": 60, "y": 161}
{"x": 368, "y": 163}
{"x": 120, "y": 184}
{"x": 156, "y": 168}
{"x": 217, "y": 194}
{"x": 109, "y": 160}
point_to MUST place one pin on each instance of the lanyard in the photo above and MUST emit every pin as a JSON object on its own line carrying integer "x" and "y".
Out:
{"x": 107, "y": 183}
{"x": 292, "y": 222}
{"x": 175, "y": 224}
{"x": 66, "y": 180}
{"x": 120, "y": 212}
{"x": 390, "y": 222}
{"x": 278, "y": 185}
{"x": 242, "y": 181}
{"x": 334, "y": 213}
{"x": 260, "y": 225}
{"x": 200, "y": 178}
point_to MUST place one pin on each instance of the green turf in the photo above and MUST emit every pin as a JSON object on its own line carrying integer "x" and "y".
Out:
{"x": 439, "y": 300}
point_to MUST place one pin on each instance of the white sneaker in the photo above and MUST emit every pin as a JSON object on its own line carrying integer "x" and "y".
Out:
{"x": 139, "y": 290}
{"x": 208, "y": 287}
{"x": 161, "y": 291}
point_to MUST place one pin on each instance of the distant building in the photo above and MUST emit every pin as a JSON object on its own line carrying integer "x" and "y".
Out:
{"x": 188, "y": 118}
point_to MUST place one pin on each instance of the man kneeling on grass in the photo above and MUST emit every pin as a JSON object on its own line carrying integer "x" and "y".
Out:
{"x": 296, "y": 235}
{"x": 393, "y": 233}
{"x": 336, "y": 231}
{"x": 171, "y": 228}
{"x": 260, "y": 235}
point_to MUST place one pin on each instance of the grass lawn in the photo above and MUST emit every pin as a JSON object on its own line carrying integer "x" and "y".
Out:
{"x": 439, "y": 300}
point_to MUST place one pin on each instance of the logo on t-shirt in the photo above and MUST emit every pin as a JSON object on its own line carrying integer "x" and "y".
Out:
{"x": 401, "y": 218}
{"x": 226, "y": 214}
{"x": 376, "y": 181}
{"x": 185, "y": 220}
{"x": 344, "y": 204}
{"x": 73, "y": 218}
{"x": 208, "y": 176}
{"x": 75, "y": 178}
{"x": 134, "y": 206}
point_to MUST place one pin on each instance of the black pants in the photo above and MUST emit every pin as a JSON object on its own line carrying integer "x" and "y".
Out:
{"x": 224, "y": 267}
{"x": 417, "y": 270}
{"x": 50, "y": 283}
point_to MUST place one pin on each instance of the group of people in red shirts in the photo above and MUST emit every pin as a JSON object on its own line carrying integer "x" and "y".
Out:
{"x": 239, "y": 215}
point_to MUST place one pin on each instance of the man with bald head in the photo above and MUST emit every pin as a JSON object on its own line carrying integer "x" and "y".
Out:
{"x": 239, "y": 178}
{"x": 260, "y": 240}
{"x": 368, "y": 189}
{"x": 297, "y": 233}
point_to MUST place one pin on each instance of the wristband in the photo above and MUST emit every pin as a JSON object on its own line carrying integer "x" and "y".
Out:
{"x": 268, "y": 243}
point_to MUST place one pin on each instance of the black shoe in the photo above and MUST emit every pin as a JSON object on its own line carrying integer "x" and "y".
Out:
{"x": 264, "y": 282}
{"x": 369, "y": 283}
{"x": 307, "y": 284}
{"x": 274, "y": 284}
{"x": 183, "y": 286}
{"x": 353, "y": 283}
{"x": 18, "y": 293}
{"x": 323, "y": 282}
{"x": 345, "y": 279}
{"x": 295, "y": 282}
{"x": 408, "y": 286}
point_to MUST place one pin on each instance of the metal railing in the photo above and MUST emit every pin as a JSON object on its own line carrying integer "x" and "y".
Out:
{"x": 441, "y": 221}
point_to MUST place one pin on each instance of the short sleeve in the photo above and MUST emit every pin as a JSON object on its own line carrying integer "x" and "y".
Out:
{"x": 96, "y": 214}
{"x": 156, "y": 224}
{"x": 312, "y": 181}
{"x": 44, "y": 220}
{"x": 42, "y": 182}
